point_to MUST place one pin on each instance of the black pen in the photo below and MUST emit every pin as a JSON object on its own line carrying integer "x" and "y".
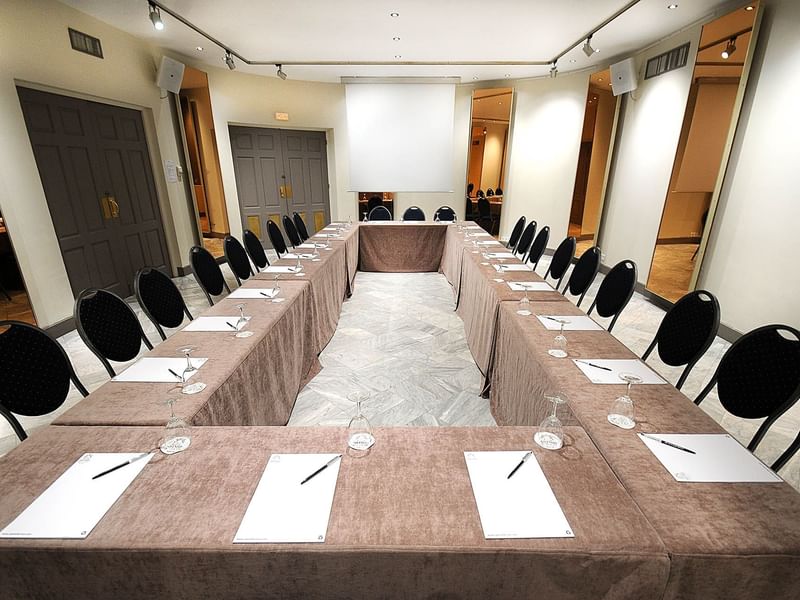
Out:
{"x": 265, "y": 295}
{"x": 322, "y": 468}
{"x": 559, "y": 321}
{"x": 666, "y": 443}
{"x": 586, "y": 362}
{"x": 176, "y": 375}
{"x": 119, "y": 466}
{"x": 232, "y": 325}
{"x": 522, "y": 462}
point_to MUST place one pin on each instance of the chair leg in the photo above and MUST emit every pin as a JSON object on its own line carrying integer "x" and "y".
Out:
{"x": 789, "y": 453}
{"x": 15, "y": 425}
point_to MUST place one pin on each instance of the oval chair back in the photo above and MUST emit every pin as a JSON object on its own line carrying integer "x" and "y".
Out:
{"x": 35, "y": 373}
{"x": 300, "y": 225}
{"x": 525, "y": 240}
{"x": 538, "y": 246}
{"x": 758, "y": 377}
{"x": 276, "y": 238}
{"x": 237, "y": 259}
{"x": 109, "y": 327}
{"x": 255, "y": 249}
{"x": 291, "y": 231}
{"x": 516, "y": 233}
{"x": 687, "y": 331}
{"x": 373, "y": 202}
{"x": 562, "y": 259}
{"x": 413, "y": 213}
{"x": 160, "y": 299}
{"x": 207, "y": 273}
{"x": 380, "y": 213}
{"x": 615, "y": 292}
{"x": 444, "y": 213}
{"x": 584, "y": 273}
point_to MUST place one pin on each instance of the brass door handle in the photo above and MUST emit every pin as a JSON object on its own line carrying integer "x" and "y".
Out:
{"x": 114, "y": 207}
{"x": 282, "y": 190}
{"x": 288, "y": 191}
{"x": 105, "y": 206}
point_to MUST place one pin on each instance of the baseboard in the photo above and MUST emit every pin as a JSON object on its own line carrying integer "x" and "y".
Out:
{"x": 677, "y": 240}
{"x": 215, "y": 234}
{"x": 184, "y": 270}
{"x": 61, "y": 328}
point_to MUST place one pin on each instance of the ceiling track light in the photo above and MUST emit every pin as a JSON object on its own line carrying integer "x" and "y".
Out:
{"x": 155, "y": 17}
{"x": 280, "y": 72}
{"x": 554, "y": 70}
{"x": 229, "y": 60}
{"x": 730, "y": 48}
{"x": 587, "y": 47}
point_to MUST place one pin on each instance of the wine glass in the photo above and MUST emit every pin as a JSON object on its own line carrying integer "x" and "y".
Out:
{"x": 436, "y": 218}
{"x": 474, "y": 246}
{"x": 349, "y": 221}
{"x": 365, "y": 219}
{"x": 621, "y": 413}
{"x": 192, "y": 388}
{"x": 559, "y": 349}
{"x": 298, "y": 266}
{"x": 177, "y": 435}
{"x": 241, "y": 323}
{"x": 315, "y": 254}
{"x": 359, "y": 438}
{"x": 551, "y": 432}
{"x": 524, "y": 307}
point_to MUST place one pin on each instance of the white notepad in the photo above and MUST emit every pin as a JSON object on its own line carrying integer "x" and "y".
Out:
{"x": 521, "y": 507}
{"x": 284, "y": 511}
{"x": 280, "y": 269}
{"x": 252, "y": 293}
{"x": 576, "y": 323}
{"x": 153, "y": 369}
{"x": 499, "y": 255}
{"x": 617, "y": 366}
{"x": 482, "y": 234}
{"x": 215, "y": 324}
{"x": 530, "y": 286}
{"x": 719, "y": 458}
{"x": 473, "y": 227}
{"x": 310, "y": 246}
{"x": 327, "y": 235}
{"x": 489, "y": 243}
{"x": 503, "y": 268}
{"x": 74, "y": 503}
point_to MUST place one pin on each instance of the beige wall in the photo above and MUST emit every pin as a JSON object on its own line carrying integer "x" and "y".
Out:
{"x": 601, "y": 139}
{"x": 35, "y": 50}
{"x": 751, "y": 262}
{"x": 683, "y": 215}
{"x": 545, "y": 140}
{"x": 493, "y": 150}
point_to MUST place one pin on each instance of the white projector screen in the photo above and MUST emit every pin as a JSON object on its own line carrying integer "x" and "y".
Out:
{"x": 401, "y": 136}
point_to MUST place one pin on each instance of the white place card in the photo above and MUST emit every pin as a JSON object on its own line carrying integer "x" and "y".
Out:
{"x": 718, "y": 458}
{"x": 523, "y": 506}
{"x": 152, "y": 369}
{"x": 512, "y": 268}
{"x": 74, "y": 503}
{"x": 529, "y": 286}
{"x": 499, "y": 255}
{"x": 574, "y": 323}
{"x": 616, "y": 365}
{"x": 284, "y": 511}
{"x": 216, "y": 324}
{"x": 280, "y": 269}
{"x": 243, "y": 292}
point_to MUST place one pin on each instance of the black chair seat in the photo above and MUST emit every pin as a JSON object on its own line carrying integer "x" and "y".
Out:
{"x": 160, "y": 299}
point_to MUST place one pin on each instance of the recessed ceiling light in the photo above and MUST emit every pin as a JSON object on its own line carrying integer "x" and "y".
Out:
{"x": 396, "y": 39}
{"x": 572, "y": 60}
{"x": 672, "y": 6}
{"x": 599, "y": 79}
{"x": 398, "y": 56}
{"x": 199, "y": 48}
{"x": 508, "y": 74}
{"x": 394, "y": 14}
{"x": 749, "y": 8}
{"x": 475, "y": 77}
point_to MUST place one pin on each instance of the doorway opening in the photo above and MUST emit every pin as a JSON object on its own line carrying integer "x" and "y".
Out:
{"x": 710, "y": 111}
{"x": 488, "y": 154}
{"x": 201, "y": 144}
{"x": 14, "y": 302}
{"x": 590, "y": 178}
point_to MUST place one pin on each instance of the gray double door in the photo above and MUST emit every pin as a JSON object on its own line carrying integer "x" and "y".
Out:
{"x": 95, "y": 168}
{"x": 280, "y": 172}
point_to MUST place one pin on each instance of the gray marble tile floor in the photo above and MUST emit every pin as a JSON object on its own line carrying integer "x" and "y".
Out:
{"x": 399, "y": 338}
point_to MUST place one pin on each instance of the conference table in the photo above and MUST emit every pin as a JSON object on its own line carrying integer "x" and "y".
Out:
{"x": 404, "y": 521}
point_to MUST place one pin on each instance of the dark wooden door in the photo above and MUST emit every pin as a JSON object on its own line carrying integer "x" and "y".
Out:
{"x": 95, "y": 169}
{"x": 279, "y": 172}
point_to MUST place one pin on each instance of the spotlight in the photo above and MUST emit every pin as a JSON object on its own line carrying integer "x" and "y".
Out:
{"x": 484, "y": 131}
{"x": 280, "y": 73}
{"x": 587, "y": 47}
{"x": 229, "y": 60}
{"x": 730, "y": 48}
{"x": 155, "y": 17}
{"x": 554, "y": 70}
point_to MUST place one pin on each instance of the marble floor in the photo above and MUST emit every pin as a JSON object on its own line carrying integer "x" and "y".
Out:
{"x": 399, "y": 339}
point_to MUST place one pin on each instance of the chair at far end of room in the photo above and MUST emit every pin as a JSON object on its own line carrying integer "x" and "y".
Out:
{"x": 160, "y": 299}
{"x": 413, "y": 213}
{"x": 444, "y": 213}
{"x": 380, "y": 213}
{"x": 35, "y": 372}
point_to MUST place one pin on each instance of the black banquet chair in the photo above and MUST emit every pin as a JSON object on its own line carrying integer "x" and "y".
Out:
{"x": 485, "y": 215}
{"x": 759, "y": 377}
{"x": 291, "y": 231}
{"x": 160, "y": 299}
{"x": 413, "y": 213}
{"x": 516, "y": 233}
{"x": 615, "y": 291}
{"x": 538, "y": 246}
{"x": 109, "y": 327}
{"x": 380, "y": 213}
{"x": 687, "y": 331}
{"x": 300, "y": 226}
{"x": 35, "y": 373}
{"x": 255, "y": 250}
{"x": 444, "y": 213}
{"x": 276, "y": 237}
{"x": 373, "y": 202}
{"x": 525, "y": 240}
{"x": 583, "y": 274}
{"x": 207, "y": 273}
{"x": 237, "y": 259}
{"x": 562, "y": 259}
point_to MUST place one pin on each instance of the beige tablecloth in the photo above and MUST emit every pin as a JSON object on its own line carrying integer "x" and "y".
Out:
{"x": 394, "y": 247}
{"x": 404, "y": 523}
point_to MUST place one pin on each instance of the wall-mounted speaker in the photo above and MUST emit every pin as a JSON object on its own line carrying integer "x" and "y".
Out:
{"x": 623, "y": 77}
{"x": 170, "y": 75}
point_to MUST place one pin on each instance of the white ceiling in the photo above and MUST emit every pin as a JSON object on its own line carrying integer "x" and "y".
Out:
{"x": 441, "y": 31}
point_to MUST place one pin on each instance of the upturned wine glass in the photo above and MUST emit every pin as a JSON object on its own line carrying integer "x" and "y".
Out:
{"x": 241, "y": 323}
{"x": 621, "y": 413}
{"x": 559, "y": 349}
{"x": 551, "y": 432}
{"x": 359, "y": 438}
{"x": 524, "y": 307}
{"x": 177, "y": 436}
{"x": 191, "y": 388}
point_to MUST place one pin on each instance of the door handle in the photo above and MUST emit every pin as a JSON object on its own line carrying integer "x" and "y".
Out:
{"x": 114, "y": 207}
{"x": 289, "y": 191}
{"x": 283, "y": 191}
{"x": 105, "y": 206}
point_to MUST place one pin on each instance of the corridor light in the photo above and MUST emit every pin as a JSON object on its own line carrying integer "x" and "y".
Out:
{"x": 155, "y": 17}
{"x": 587, "y": 47}
{"x": 229, "y": 60}
{"x": 280, "y": 72}
{"x": 730, "y": 48}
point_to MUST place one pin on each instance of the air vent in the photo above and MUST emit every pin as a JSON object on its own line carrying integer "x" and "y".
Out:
{"x": 669, "y": 61}
{"x": 83, "y": 42}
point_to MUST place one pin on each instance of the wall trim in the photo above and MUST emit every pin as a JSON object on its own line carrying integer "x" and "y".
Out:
{"x": 61, "y": 328}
